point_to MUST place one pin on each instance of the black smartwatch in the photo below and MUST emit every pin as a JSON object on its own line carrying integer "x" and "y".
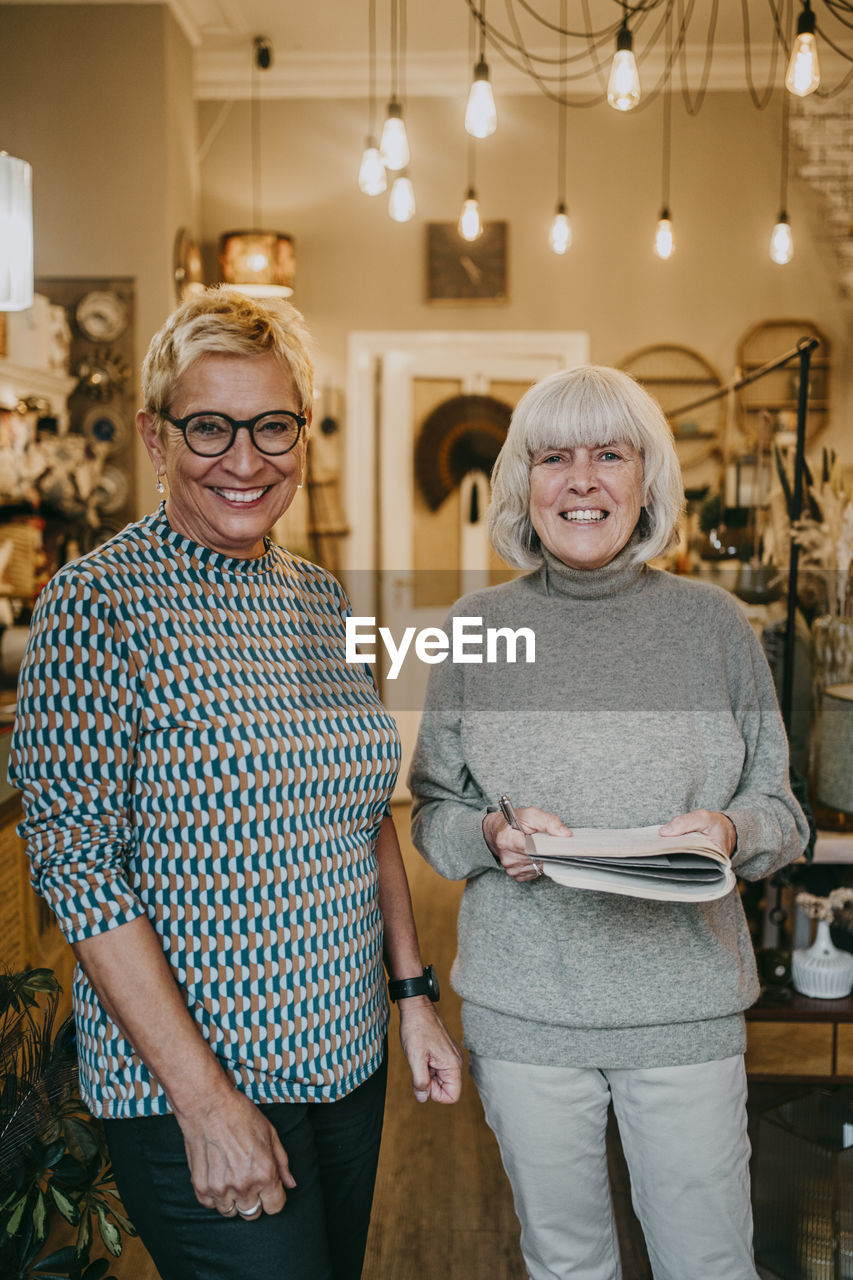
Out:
{"x": 426, "y": 985}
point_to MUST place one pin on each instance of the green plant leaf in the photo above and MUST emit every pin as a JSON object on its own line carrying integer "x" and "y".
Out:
{"x": 16, "y": 1216}
{"x": 40, "y": 1217}
{"x": 84, "y": 1233}
{"x": 68, "y": 1210}
{"x": 110, "y": 1234}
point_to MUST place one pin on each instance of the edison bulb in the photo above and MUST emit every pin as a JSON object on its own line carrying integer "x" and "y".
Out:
{"x": 803, "y": 74}
{"x": 394, "y": 147}
{"x": 561, "y": 231}
{"x": 469, "y": 225}
{"x": 401, "y": 202}
{"x": 481, "y": 116}
{"x": 623, "y": 87}
{"x": 782, "y": 241}
{"x": 371, "y": 175}
{"x": 664, "y": 238}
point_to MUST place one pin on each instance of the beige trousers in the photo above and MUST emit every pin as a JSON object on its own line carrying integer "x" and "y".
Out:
{"x": 683, "y": 1131}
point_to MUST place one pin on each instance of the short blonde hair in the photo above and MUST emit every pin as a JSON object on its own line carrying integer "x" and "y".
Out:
{"x": 590, "y": 405}
{"x": 222, "y": 321}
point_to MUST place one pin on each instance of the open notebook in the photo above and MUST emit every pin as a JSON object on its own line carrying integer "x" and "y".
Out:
{"x": 635, "y": 861}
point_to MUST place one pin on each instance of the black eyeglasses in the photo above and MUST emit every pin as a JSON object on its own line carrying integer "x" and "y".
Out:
{"x": 212, "y": 434}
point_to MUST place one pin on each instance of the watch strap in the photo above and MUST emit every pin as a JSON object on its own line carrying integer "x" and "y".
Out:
{"x": 425, "y": 985}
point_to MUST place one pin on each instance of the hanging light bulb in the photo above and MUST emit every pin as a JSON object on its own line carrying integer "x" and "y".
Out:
{"x": 560, "y": 235}
{"x": 16, "y": 234}
{"x": 623, "y": 87}
{"x": 469, "y": 225}
{"x": 664, "y": 238}
{"x": 394, "y": 147}
{"x": 782, "y": 241}
{"x": 803, "y": 75}
{"x": 401, "y": 202}
{"x": 481, "y": 117}
{"x": 371, "y": 175}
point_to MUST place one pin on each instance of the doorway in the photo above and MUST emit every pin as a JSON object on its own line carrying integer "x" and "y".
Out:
{"x": 406, "y": 562}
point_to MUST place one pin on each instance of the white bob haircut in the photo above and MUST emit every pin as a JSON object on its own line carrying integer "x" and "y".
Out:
{"x": 587, "y": 406}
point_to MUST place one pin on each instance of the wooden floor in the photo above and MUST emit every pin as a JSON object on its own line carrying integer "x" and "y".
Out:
{"x": 443, "y": 1208}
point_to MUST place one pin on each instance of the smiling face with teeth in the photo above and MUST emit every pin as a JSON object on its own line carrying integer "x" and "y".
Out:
{"x": 229, "y": 503}
{"x": 585, "y": 501}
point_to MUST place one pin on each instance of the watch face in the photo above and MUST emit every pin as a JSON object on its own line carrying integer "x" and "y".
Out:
{"x": 432, "y": 983}
{"x": 101, "y": 315}
{"x": 466, "y": 271}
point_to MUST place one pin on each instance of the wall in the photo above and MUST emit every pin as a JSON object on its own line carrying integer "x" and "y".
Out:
{"x": 358, "y": 270}
{"x": 98, "y": 98}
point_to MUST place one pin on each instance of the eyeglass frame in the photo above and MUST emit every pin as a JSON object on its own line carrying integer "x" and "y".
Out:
{"x": 235, "y": 424}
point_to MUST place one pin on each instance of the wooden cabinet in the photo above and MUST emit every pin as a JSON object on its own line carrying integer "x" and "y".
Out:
{"x": 30, "y": 935}
{"x": 803, "y": 1040}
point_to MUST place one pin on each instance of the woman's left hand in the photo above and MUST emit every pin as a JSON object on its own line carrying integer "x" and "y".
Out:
{"x": 707, "y": 822}
{"x": 434, "y": 1058}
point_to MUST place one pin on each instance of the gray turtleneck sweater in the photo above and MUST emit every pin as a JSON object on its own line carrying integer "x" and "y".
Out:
{"x": 649, "y": 697}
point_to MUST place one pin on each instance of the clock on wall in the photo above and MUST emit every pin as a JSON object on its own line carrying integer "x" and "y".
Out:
{"x": 466, "y": 271}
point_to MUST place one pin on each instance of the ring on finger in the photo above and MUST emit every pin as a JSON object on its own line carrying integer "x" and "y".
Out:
{"x": 249, "y": 1213}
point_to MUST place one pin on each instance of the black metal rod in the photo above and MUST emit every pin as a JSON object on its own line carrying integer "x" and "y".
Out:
{"x": 804, "y": 344}
{"x": 796, "y": 512}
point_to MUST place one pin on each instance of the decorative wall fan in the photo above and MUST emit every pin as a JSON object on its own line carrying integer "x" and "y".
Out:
{"x": 463, "y": 434}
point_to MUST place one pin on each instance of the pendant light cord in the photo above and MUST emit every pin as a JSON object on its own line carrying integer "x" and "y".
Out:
{"x": 256, "y": 142}
{"x": 783, "y": 185}
{"x": 667, "y": 125}
{"x": 371, "y": 64}
{"x": 394, "y": 51}
{"x": 561, "y": 112}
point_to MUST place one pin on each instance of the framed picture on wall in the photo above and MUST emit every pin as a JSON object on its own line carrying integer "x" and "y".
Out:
{"x": 463, "y": 272}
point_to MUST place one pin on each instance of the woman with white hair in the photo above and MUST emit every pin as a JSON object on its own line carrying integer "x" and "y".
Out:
{"x": 649, "y": 702}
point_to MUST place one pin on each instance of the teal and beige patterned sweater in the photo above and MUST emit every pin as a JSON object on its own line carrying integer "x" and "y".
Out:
{"x": 192, "y": 746}
{"x": 649, "y": 697}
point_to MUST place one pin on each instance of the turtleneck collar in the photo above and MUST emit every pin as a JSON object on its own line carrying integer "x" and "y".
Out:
{"x": 615, "y": 578}
{"x": 198, "y": 556}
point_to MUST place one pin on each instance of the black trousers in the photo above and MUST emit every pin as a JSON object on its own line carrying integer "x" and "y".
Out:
{"x": 320, "y": 1234}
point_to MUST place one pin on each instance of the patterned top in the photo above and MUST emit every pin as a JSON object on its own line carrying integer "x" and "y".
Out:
{"x": 192, "y": 745}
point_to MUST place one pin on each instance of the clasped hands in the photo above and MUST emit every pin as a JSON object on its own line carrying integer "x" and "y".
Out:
{"x": 507, "y": 844}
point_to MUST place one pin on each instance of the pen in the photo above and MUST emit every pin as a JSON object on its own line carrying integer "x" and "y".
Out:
{"x": 509, "y": 812}
{"x": 512, "y": 818}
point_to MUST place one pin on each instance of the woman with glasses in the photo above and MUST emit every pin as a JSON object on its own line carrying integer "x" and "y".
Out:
{"x": 206, "y": 796}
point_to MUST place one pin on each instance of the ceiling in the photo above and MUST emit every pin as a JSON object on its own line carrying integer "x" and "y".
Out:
{"x": 321, "y": 48}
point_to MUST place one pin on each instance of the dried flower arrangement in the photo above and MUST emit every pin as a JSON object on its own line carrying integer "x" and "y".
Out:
{"x": 835, "y": 908}
{"x": 825, "y": 532}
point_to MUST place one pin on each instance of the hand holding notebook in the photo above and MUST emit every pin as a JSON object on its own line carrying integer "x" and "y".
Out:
{"x": 637, "y": 862}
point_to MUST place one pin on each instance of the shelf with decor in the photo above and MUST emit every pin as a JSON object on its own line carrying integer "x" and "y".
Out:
{"x": 777, "y": 393}
{"x": 22, "y": 385}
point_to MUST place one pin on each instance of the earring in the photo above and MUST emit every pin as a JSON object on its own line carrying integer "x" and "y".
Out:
{"x": 161, "y": 488}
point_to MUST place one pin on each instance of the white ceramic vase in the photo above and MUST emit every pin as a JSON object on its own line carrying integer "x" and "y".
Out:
{"x": 821, "y": 970}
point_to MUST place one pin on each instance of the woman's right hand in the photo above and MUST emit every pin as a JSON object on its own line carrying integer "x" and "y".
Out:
{"x": 507, "y": 844}
{"x": 236, "y": 1159}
